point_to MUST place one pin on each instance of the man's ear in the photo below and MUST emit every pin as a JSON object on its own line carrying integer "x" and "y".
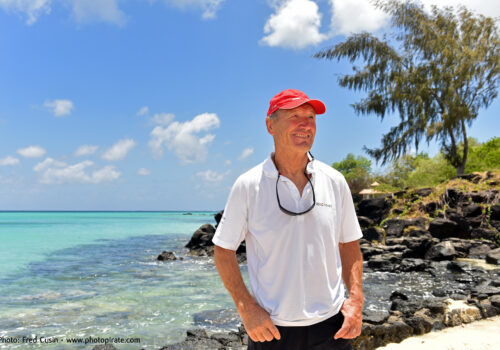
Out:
{"x": 269, "y": 125}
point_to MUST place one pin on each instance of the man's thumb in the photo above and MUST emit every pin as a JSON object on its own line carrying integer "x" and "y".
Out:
{"x": 275, "y": 332}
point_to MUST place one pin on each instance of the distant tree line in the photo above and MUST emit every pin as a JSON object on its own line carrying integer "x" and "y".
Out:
{"x": 418, "y": 170}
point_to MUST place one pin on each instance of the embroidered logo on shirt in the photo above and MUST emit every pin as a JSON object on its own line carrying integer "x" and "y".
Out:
{"x": 324, "y": 205}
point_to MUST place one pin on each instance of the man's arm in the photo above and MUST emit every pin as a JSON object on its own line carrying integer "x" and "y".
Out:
{"x": 352, "y": 274}
{"x": 256, "y": 320}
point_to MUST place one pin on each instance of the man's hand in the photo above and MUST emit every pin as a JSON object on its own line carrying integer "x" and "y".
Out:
{"x": 256, "y": 320}
{"x": 352, "y": 311}
{"x": 258, "y": 324}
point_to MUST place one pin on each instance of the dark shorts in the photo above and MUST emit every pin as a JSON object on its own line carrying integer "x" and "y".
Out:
{"x": 318, "y": 336}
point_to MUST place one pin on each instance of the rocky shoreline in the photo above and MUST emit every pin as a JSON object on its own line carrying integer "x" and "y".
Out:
{"x": 419, "y": 232}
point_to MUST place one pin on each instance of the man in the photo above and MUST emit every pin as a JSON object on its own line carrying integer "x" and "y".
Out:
{"x": 298, "y": 219}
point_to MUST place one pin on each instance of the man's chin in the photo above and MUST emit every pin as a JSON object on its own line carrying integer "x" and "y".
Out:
{"x": 303, "y": 147}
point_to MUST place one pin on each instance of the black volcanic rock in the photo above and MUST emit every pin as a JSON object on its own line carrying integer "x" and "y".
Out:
{"x": 431, "y": 207}
{"x": 479, "y": 251}
{"x": 453, "y": 196}
{"x": 445, "y": 228}
{"x": 472, "y": 210}
{"x": 385, "y": 262}
{"x": 373, "y": 234}
{"x": 375, "y": 208}
{"x": 218, "y": 217}
{"x": 365, "y": 222}
{"x": 483, "y": 233}
{"x": 202, "y": 237}
{"x": 493, "y": 257}
{"x": 423, "y": 192}
{"x": 166, "y": 256}
{"x": 198, "y": 339}
{"x": 441, "y": 251}
{"x": 395, "y": 227}
{"x": 495, "y": 212}
{"x": 201, "y": 243}
{"x": 369, "y": 250}
{"x": 375, "y": 317}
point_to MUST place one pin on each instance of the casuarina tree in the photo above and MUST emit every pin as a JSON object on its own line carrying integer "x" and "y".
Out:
{"x": 437, "y": 69}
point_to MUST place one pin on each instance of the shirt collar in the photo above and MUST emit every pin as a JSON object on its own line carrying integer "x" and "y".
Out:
{"x": 270, "y": 170}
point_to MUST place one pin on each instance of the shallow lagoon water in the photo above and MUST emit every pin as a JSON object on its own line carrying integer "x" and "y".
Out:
{"x": 96, "y": 275}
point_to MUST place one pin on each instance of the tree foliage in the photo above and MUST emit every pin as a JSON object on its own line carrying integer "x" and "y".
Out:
{"x": 356, "y": 171}
{"x": 414, "y": 171}
{"x": 446, "y": 67}
{"x": 485, "y": 156}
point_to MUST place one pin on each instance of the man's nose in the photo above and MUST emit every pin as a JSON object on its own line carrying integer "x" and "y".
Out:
{"x": 307, "y": 122}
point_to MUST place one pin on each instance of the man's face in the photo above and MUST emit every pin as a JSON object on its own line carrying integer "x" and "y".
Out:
{"x": 294, "y": 128}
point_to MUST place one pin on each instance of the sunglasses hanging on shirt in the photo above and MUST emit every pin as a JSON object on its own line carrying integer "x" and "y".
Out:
{"x": 292, "y": 213}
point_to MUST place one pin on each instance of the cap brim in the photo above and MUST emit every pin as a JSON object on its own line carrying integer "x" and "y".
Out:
{"x": 317, "y": 105}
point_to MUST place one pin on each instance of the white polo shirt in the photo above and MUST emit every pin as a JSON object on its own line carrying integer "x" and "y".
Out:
{"x": 293, "y": 261}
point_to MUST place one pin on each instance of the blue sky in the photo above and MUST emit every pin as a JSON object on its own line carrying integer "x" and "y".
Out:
{"x": 160, "y": 104}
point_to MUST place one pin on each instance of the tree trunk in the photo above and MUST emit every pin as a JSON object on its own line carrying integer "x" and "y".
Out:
{"x": 461, "y": 166}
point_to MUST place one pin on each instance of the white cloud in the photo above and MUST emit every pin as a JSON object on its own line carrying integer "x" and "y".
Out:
{"x": 98, "y": 10}
{"x": 227, "y": 162}
{"x": 56, "y": 172}
{"x": 48, "y": 163}
{"x": 31, "y": 8}
{"x": 246, "y": 153}
{"x": 209, "y": 7}
{"x": 144, "y": 172}
{"x": 354, "y": 16}
{"x": 296, "y": 24}
{"x": 105, "y": 174}
{"x": 9, "y": 160}
{"x": 143, "y": 111}
{"x": 119, "y": 150}
{"x": 212, "y": 176}
{"x": 60, "y": 108}
{"x": 32, "y": 151}
{"x": 207, "y": 139}
{"x": 85, "y": 150}
{"x": 162, "y": 118}
{"x": 182, "y": 138}
{"x": 83, "y": 10}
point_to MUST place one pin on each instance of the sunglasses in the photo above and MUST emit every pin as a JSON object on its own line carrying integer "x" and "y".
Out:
{"x": 292, "y": 213}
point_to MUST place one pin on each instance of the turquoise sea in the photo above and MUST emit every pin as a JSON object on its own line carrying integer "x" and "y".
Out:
{"x": 95, "y": 274}
{"x": 70, "y": 275}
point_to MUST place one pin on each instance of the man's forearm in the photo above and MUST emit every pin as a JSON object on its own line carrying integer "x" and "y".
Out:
{"x": 352, "y": 269}
{"x": 352, "y": 274}
{"x": 229, "y": 271}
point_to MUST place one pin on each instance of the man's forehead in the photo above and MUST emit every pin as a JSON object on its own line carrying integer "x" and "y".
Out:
{"x": 306, "y": 107}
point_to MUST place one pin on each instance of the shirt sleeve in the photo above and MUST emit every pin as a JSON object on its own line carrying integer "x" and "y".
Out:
{"x": 233, "y": 225}
{"x": 350, "y": 230}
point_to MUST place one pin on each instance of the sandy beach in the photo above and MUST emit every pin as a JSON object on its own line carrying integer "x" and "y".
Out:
{"x": 479, "y": 335}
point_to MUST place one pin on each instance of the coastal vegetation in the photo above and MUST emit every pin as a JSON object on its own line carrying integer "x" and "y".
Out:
{"x": 413, "y": 171}
{"x": 436, "y": 70}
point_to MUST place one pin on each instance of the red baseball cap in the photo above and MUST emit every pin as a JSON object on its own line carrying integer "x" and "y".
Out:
{"x": 291, "y": 98}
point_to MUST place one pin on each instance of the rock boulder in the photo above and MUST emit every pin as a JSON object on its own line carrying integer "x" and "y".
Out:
{"x": 493, "y": 257}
